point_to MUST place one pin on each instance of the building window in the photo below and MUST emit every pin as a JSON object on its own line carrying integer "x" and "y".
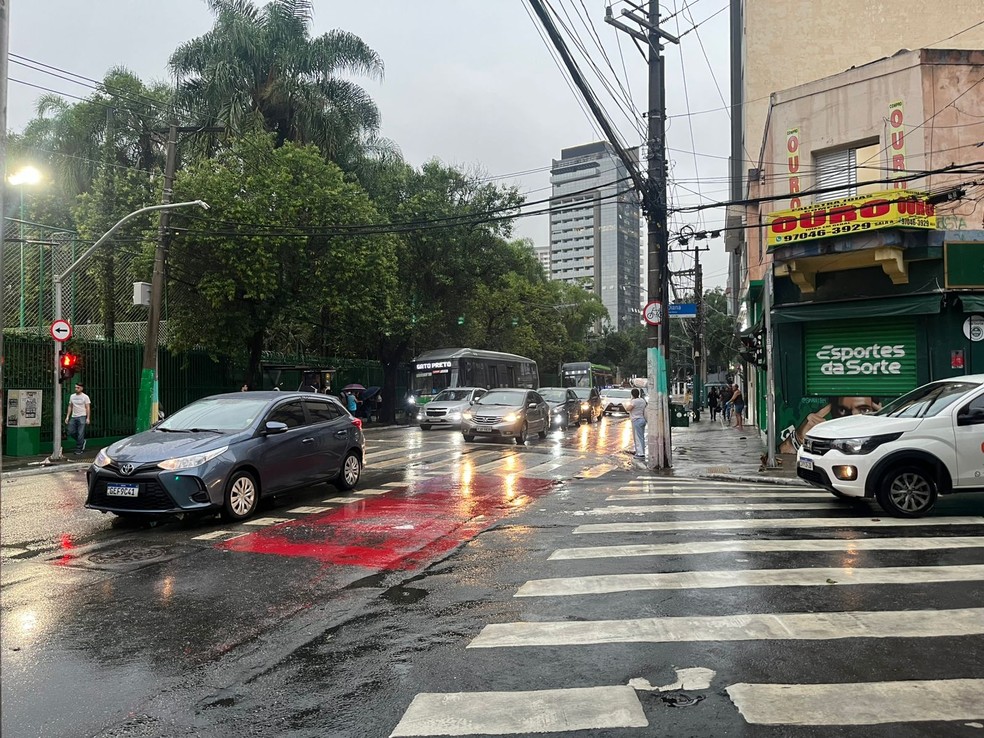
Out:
{"x": 836, "y": 169}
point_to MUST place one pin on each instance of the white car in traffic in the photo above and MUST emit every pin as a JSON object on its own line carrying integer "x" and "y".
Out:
{"x": 926, "y": 443}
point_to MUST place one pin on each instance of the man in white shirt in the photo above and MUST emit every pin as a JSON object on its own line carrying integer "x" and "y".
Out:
{"x": 78, "y": 417}
{"x": 637, "y": 415}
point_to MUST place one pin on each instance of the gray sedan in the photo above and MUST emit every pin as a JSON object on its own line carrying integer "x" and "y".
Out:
{"x": 225, "y": 452}
{"x": 507, "y": 413}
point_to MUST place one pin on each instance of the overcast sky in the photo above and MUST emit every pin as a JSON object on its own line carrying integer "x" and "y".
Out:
{"x": 470, "y": 82}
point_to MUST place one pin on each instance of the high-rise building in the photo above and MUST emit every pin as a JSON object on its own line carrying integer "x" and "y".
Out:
{"x": 594, "y": 228}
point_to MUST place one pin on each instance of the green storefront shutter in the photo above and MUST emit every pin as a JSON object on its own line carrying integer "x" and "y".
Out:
{"x": 866, "y": 358}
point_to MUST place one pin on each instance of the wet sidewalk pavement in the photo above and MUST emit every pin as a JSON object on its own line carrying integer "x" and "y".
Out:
{"x": 713, "y": 449}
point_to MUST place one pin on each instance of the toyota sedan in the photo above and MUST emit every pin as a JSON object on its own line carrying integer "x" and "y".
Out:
{"x": 224, "y": 453}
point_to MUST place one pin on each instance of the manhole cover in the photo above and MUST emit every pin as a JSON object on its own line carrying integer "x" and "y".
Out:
{"x": 128, "y": 555}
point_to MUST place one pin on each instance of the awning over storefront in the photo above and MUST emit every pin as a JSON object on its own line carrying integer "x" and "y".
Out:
{"x": 896, "y": 306}
{"x": 972, "y": 303}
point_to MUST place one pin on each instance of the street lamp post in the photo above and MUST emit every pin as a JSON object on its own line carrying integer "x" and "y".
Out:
{"x": 57, "y": 279}
{"x": 23, "y": 177}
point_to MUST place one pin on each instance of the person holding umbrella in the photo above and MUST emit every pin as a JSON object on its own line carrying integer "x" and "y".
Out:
{"x": 351, "y": 401}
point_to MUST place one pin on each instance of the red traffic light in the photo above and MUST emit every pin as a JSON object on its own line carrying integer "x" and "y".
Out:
{"x": 68, "y": 364}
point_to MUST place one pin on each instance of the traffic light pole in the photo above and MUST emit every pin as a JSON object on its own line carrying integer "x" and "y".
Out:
{"x": 58, "y": 279}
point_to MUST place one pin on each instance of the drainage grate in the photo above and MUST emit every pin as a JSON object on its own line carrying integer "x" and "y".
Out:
{"x": 132, "y": 555}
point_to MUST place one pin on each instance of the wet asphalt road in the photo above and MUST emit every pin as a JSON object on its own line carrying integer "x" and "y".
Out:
{"x": 331, "y": 614}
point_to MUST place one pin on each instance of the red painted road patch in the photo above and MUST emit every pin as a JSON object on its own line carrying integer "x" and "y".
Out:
{"x": 405, "y": 529}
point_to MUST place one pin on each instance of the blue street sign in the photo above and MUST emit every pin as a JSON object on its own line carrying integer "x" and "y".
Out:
{"x": 683, "y": 310}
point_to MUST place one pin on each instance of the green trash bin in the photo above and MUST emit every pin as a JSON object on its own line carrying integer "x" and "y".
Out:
{"x": 679, "y": 416}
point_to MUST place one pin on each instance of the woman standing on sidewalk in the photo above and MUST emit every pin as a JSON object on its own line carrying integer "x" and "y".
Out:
{"x": 738, "y": 403}
{"x": 637, "y": 415}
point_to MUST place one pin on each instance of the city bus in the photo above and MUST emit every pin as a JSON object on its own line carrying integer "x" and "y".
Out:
{"x": 437, "y": 370}
{"x": 586, "y": 374}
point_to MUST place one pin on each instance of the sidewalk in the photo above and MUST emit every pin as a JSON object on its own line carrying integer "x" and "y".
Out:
{"x": 712, "y": 450}
{"x": 19, "y": 465}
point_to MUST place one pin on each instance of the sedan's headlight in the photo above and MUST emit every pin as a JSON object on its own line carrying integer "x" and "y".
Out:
{"x": 863, "y": 445}
{"x": 510, "y": 418}
{"x": 190, "y": 462}
{"x": 467, "y": 415}
{"x": 585, "y": 405}
{"x": 102, "y": 458}
{"x": 411, "y": 400}
{"x": 559, "y": 410}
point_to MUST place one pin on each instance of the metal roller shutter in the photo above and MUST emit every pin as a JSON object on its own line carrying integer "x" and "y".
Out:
{"x": 836, "y": 169}
{"x": 861, "y": 358}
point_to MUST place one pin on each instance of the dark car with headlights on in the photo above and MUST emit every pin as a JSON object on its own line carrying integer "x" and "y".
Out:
{"x": 565, "y": 407}
{"x": 223, "y": 453}
{"x": 506, "y": 413}
{"x": 591, "y": 409}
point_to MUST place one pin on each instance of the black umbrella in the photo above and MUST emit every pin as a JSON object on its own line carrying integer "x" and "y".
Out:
{"x": 370, "y": 393}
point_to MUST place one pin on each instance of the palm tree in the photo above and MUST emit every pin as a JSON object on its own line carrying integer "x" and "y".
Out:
{"x": 260, "y": 69}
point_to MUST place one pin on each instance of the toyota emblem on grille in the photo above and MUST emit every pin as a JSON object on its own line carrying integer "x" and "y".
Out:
{"x": 126, "y": 469}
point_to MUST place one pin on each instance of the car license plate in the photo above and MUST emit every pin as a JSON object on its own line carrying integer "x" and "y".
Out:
{"x": 123, "y": 490}
{"x": 484, "y": 428}
{"x": 806, "y": 463}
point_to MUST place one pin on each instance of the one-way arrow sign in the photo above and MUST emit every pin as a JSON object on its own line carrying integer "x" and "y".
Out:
{"x": 61, "y": 330}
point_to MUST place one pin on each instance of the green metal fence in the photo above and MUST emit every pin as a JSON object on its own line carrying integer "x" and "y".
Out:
{"x": 110, "y": 372}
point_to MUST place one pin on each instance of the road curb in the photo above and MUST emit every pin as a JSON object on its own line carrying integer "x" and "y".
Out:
{"x": 750, "y": 478}
{"x": 47, "y": 469}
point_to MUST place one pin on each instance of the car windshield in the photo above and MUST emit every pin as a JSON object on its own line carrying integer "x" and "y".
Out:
{"x": 215, "y": 413}
{"x": 925, "y": 402}
{"x": 553, "y": 394}
{"x": 506, "y": 397}
{"x": 583, "y": 392}
{"x": 453, "y": 395}
{"x": 618, "y": 393}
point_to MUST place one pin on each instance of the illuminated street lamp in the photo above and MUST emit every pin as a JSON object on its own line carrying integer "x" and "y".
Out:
{"x": 27, "y": 176}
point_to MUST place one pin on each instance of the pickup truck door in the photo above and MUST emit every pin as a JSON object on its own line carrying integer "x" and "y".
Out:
{"x": 969, "y": 434}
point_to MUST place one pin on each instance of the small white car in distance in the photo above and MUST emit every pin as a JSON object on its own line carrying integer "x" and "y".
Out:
{"x": 926, "y": 443}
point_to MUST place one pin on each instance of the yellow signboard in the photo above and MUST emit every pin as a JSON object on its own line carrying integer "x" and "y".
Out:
{"x": 849, "y": 216}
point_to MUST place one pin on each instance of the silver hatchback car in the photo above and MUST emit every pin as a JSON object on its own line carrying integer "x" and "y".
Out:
{"x": 445, "y": 410}
{"x": 507, "y": 413}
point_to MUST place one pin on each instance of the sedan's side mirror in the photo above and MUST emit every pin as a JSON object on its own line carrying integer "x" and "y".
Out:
{"x": 273, "y": 428}
{"x": 532, "y": 406}
{"x": 974, "y": 416}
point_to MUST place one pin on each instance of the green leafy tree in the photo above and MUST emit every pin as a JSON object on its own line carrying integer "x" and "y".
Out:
{"x": 260, "y": 69}
{"x": 278, "y": 250}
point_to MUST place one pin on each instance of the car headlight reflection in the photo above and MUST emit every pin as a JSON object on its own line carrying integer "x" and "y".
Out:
{"x": 102, "y": 459}
{"x": 863, "y": 445}
{"x": 467, "y": 415}
{"x": 190, "y": 462}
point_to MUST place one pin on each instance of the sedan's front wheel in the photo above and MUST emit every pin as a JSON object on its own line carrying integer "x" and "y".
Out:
{"x": 908, "y": 491}
{"x": 242, "y": 496}
{"x": 524, "y": 433}
{"x": 351, "y": 470}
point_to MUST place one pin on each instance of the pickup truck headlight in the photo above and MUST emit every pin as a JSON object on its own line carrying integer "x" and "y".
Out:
{"x": 863, "y": 444}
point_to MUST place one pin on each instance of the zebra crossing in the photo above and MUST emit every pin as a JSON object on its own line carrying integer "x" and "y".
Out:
{"x": 687, "y": 529}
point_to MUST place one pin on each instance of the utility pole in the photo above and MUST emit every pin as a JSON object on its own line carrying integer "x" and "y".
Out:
{"x": 4, "y": 48}
{"x": 770, "y": 372}
{"x": 148, "y": 400}
{"x": 699, "y": 359}
{"x": 147, "y": 406}
{"x": 652, "y": 190}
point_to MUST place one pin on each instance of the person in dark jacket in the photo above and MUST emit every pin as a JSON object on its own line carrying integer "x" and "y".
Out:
{"x": 713, "y": 402}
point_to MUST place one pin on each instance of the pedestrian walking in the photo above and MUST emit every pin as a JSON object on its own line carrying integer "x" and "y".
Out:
{"x": 79, "y": 416}
{"x": 713, "y": 402}
{"x": 738, "y": 403}
{"x": 729, "y": 390}
{"x": 351, "y": 403}
{"x": 637, "y": 416}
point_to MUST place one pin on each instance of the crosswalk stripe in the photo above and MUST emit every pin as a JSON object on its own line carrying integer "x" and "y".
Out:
{"x": 309, "y": 509}
{"x": 812, "y": 577}
{"x": 806, "y": 626}
{"x": 498, "y": 462}
{"x": 266, "y": 521}
{"x": 405, "y": 459}
{"x": 730, "y": 524}
{"x": 343, "y": 500}
{"x": 724, "y": 490}
{"x": 861, "y": 703}
{"x": 596, "y": 471}
{"x": 511, "y": 713}
{"x": 374, "y": 491}
{"x": 212, "y": 535}
{"x": 690, "y": 482}
{"x": 722, "y": 495}
{"x": 722, "y": 507}
{"x": 764, "y": 546}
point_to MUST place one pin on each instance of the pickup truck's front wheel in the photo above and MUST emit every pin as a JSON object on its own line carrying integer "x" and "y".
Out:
{"x": 908, "y": 491}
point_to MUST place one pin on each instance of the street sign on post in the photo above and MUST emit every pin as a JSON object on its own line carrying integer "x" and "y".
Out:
{"x": 653, "y": 313}
{"x": 61, "y": 330}
{"x": 683, "y": 310}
